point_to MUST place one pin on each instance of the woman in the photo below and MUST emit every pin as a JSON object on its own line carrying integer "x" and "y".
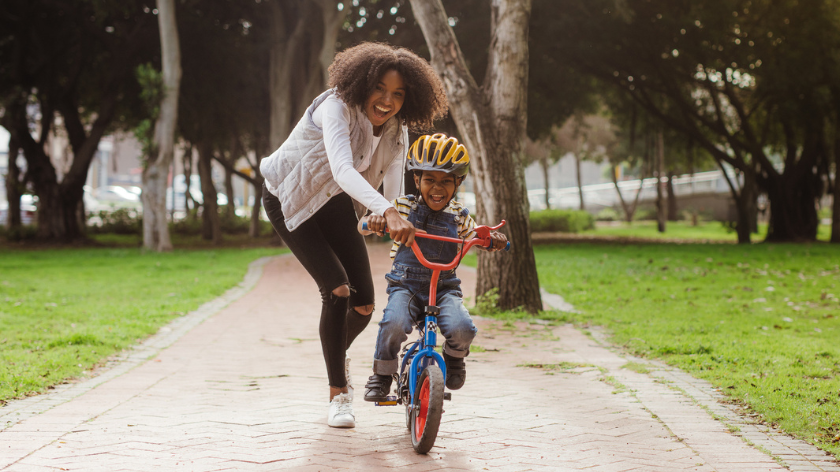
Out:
{"x": 352, "y": 139}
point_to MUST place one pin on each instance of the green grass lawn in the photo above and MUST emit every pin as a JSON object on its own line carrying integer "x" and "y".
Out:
{"x": 761, "y": 322}
{"x": 64, "y": 311}
{"x": 704, "y": 231}
{"x": 185, "y": 241}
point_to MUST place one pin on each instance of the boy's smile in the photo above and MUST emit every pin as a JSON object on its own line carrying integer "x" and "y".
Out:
{"x": 436, "y": 187}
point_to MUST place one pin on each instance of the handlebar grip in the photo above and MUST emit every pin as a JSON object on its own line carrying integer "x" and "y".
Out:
{"x": 507, "y": 246}
{"x": 365, "y": 226}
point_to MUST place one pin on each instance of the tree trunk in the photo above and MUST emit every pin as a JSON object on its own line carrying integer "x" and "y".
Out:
{"x": 333, "y": 19}
{"x": 13, "y": 187}
{"x": 629, "y": 210}
{"x": 211, "y": 228}
{"x": 750, "y": 196}
{"x": 254, "y": 229}
{"x": 660, "y": 171}
{"x": 835, "y": 203}
{"x": 746, "y": 205}
{"x": 59, "y": 202}
{"x": 230, "y": 208}
{"x": 62, "y": 222}
{"x": 793, "y": 209}
{"x": 742, "y": 227}
{"x": 491, "y": 120}
{"x": 187, "y": 181}
{"x": 303, "y": 37}
{"x": 156, "y": 173}
{"x": 673, "y": 214}
{"x": 742, "y": 222}
{"x": 545, "y": 164}
{"x": 579, "y": 180}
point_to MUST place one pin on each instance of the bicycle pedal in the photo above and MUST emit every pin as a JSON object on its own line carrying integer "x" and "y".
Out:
{"x": 391, "y": 400}
{"x": 447, "y": 396}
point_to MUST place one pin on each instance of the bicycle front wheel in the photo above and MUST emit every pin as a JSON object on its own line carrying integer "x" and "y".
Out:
{"x": 428, "y": 407}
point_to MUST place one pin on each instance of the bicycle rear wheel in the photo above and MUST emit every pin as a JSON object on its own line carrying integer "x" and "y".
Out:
{"x": 428, "y": 407}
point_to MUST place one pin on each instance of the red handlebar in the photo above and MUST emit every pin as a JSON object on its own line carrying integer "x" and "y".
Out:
{"x": 482, "y": 237}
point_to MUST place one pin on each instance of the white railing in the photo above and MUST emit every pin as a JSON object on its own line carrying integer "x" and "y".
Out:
{"x": 605, "y": 195}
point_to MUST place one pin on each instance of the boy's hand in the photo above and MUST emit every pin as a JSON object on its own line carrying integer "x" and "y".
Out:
{"x": 499, "y": 241}
{"x": 375, "y": 224}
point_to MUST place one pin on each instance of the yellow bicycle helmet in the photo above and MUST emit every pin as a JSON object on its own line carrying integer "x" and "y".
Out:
{"x": 439, "y": 152}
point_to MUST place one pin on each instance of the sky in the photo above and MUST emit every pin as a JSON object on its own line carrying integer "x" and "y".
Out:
{"x": 4, "y": 140}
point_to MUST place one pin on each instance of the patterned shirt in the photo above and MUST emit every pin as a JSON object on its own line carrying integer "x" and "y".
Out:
{"x": 466, "y": 224}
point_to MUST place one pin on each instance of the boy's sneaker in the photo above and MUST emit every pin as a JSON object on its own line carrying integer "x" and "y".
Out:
{"x": 456, "y": 371}
{"x": 377, "y": 388}
{"x": 348, "y": 377}
{"x": 341, "y": 412}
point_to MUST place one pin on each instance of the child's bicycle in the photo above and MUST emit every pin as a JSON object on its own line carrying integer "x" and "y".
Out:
{"x": 420, "y": 382}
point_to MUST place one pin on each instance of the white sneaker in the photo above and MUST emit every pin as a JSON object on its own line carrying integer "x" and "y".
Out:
{"x": 349, "y": 378}
{"x": 341, "y": 412}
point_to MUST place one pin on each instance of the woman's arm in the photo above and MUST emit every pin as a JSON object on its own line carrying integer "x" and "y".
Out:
{"x": 335, "y": 123}
{"x": 393, "y": 181}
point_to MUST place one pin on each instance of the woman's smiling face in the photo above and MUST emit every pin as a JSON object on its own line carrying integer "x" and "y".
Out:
{"x": 436, "y": 187}
{"x": 386, "y": 100}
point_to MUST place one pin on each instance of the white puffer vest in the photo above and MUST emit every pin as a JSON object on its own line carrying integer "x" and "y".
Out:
{"x": 298, "y": 173}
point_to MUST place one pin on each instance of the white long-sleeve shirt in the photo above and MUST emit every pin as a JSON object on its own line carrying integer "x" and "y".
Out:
{"x": 332, "y": 116}
{"x": 332, "y": 150}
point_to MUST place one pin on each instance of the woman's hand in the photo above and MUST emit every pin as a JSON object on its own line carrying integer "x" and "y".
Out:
{"x": 499, "y": 241}
{"x": 401, "y": 230}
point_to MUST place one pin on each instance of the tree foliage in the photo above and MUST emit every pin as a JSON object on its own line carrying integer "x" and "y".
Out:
{"x": 749, "y": 81}
{"x": 74, "y": 59}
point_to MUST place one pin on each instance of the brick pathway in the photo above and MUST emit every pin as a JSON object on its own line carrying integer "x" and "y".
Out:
{"x": 240, "y": 385}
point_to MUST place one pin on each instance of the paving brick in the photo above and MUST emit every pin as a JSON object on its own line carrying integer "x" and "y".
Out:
{"x": 240, "y": 384}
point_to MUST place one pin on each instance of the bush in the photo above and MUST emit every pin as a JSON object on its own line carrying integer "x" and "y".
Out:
{"x": 234, "y": 224}
{"x": 188, "y": 226}
{"x": 191, "y": 225}
{"x": 565, "y": 221}
{"x": 126, "y": 221}
{"x": 645, "y": 214}
{"x": 23, "y": 233}
{"x": 607, "y": 214}
{"x": 487, "y": 305}
{"x": 120, "y": 221}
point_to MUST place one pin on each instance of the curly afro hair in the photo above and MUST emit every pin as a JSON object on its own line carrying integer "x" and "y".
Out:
{"x": 356, "y": 71}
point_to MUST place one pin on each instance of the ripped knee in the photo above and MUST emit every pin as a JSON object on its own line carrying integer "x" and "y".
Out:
{"x": 365, "y": 310}
{"x": 342, "y": 291}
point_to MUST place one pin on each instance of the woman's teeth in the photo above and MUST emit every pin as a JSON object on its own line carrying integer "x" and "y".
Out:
{"x": 382, "y": 111}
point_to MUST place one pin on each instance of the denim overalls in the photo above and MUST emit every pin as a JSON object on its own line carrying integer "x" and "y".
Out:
{"x": 408, "y": 291}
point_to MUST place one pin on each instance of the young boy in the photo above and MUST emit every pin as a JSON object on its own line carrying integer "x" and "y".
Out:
{"x": 440, "y": 165}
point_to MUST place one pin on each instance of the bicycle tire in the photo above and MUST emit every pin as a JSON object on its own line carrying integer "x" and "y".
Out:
{"x": 428, "y": 407}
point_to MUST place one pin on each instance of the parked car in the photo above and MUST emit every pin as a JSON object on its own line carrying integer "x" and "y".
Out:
{"x": 28, "y": 210}
{"x": 179, "y": 186}
{"x": 113, "y": 196}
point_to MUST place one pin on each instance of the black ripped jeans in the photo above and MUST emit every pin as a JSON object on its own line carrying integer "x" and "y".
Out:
{"x": 334, "y": 253}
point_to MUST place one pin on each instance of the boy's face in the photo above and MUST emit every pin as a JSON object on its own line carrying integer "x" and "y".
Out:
{"x": 436, "y": 187}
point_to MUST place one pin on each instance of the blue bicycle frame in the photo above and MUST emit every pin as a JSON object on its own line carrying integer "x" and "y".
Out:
{"x": 425, "y": 354}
